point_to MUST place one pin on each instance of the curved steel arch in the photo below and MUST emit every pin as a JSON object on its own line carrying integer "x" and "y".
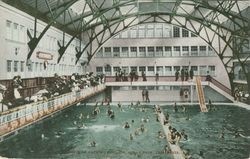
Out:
{"x": 109, "y": 36}
{"x": 215, "y": 12}
{"x": 210, "y": 11}
{"x": 207, "y": 13}
{"x": 220, "y": 51}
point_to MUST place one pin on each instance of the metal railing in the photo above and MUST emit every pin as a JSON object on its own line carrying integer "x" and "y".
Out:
{"x": 221, "y": 86}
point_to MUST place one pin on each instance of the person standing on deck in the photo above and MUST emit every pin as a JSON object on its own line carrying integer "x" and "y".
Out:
{"x": 186, "y": 75}
{"x": 177, "y": 75}
{"x": 156, "y": 77}
{"x": 182, "y": 74}
{"x": 147, "y": 96}
{"x": 143, "y": 94}
{"x": 191, "y": 73}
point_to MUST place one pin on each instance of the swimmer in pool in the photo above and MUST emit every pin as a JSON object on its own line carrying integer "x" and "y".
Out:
{"x": 126, "y": 126}
{"x": 221, "y": 135}
{"x": 81, "y": 116}
{"x": 142, "y": 128}
{"x": 184, "y": 109}
{"x": 59, "y": 133}
{"x": 132, "y": 104}
{"x": 109, "y": 112}
{"x": 161, "y": 135}
{"x": 131, "y": 136}
{"x": 143, "y": 110}
{"x": 158, "y": 109}
{"x": 143, "y": 120}
{"x": 44, "y": 137}
{"x": 119, "y": 105}
{"x": 175, "y": 107}
{"x": 93, "y": 144}
{"x": 167, "y": 116}
{"x": 184, "y": 135}
{"x": 166, "y": 149}
{"x": 112, "y": 116}
{"x": 138, "y": 103}
{"x": 137, "y": 132}
{"x": 81, "y": 126}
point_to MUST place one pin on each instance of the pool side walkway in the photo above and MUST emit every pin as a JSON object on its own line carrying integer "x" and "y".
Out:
{"x": 235, "y": 103}
{"x": 175, "y": 148}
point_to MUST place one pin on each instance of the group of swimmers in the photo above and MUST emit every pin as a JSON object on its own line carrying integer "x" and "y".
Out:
{"x": 174, "y": 136}
{"x": 137, "y": 131}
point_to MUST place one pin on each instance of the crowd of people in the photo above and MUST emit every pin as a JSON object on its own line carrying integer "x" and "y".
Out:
{"x": 241, "y": 96}
{"x": 122, "y": 75}
{"x": 55, "y": 87}
{"x": 184, "y": 74}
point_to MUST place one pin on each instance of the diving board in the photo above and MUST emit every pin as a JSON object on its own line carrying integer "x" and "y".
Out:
{"x": 175, "y": 148}
{"x": 200, "y": 94}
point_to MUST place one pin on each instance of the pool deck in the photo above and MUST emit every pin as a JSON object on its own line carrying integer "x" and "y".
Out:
{"x": 235, "y": 103}
{"x": 175, "y": 148}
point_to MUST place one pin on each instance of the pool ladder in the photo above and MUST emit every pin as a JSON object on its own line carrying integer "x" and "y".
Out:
{"x": 200, "y": 93}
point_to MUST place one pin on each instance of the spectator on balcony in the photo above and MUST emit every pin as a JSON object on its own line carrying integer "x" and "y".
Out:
{"x": 116, "y": 76}
{"x": 17, "y": 84}
{"x": 143, "y": 76}
{"x": 208, "y": 77}
{"x": 182, "y": 74}
{"x": 186, "y": 75}
{"x": 191, "y": 73}
{"x": 156, "y": 77}
{"x": 132, "y": 76}
{"x": 177, "y": 75}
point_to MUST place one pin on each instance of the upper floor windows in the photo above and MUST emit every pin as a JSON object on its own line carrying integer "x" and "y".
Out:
{"x": 185, "y": 33}
{"x": 176, "y": 32}
{"x": 155, "y": 30}
{"x": 155, "y": 51}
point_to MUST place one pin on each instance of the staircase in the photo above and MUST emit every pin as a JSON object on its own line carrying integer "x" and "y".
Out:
{"x": 200, "y": 93}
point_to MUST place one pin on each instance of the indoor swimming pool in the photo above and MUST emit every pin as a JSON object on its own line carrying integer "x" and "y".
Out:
{"x": 64, "y": 136}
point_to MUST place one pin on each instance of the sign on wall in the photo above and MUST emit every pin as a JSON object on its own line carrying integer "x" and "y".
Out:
{"x": 44, "y": 55}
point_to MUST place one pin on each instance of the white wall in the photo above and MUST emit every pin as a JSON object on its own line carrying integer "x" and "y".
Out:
{"x": 47, "y": 44}
{"x": 165, "y": 96}
{"x": 220, "y": 73}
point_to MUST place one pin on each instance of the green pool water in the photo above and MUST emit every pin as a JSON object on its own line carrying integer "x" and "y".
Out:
{"x": 204, "y": 131}
{"x": 112, "y": 140}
